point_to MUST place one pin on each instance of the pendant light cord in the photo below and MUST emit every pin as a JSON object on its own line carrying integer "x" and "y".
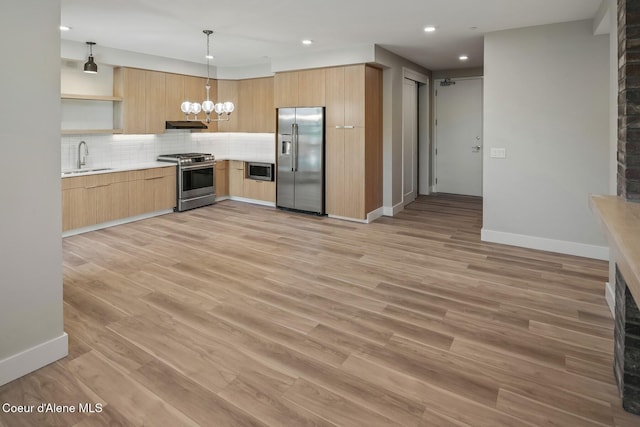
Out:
{"x": 208, "y": 33}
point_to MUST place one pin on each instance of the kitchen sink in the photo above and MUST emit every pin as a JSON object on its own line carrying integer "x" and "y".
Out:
{"x": 81, "y": 171}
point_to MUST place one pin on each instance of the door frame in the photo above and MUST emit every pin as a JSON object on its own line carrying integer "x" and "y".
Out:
{"x": 423, "y": 123}
{"x": 434, "y": 146}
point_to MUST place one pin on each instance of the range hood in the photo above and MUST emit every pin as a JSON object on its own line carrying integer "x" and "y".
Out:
{"x": 184, "y": 124}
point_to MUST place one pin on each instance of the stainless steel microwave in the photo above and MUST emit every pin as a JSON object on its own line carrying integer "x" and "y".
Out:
{"x": 260, "y": 171}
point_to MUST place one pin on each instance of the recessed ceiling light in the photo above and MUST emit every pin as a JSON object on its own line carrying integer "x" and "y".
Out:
{"x": 463, "y": 57}
{"x": 209, "y": 56}
{"x": 64, "y": 28}
{"x": 307, "y": 42}
{"x": 429, "y": 29}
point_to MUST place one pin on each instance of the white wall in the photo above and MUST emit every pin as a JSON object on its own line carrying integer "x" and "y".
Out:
{"x": 325, "y": 58}
{"x": 547, "y": 102}
{"x": 31, "y": 324}
{"x": 458, "y": 73}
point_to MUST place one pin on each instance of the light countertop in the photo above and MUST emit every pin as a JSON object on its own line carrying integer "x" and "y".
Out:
{"x": 97, "y": 169}
{"x": 93, "y": 170}
{"x": 248, "y": 158}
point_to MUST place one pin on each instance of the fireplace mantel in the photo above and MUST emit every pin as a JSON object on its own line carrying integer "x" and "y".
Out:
{"x": 620, "y": 221}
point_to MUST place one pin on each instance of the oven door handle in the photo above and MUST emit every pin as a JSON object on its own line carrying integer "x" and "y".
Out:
{"x": 197, "y": 166}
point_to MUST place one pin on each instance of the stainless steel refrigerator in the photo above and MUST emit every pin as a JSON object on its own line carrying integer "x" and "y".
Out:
{"x": 300, "y": 180}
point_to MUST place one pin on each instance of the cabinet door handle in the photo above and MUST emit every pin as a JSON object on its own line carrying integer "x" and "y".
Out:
{"x": 339, "y": 127}
{"x": 348, "y": 127}
{"x": 151, "y": 179}
{"x": 98, "y": 186}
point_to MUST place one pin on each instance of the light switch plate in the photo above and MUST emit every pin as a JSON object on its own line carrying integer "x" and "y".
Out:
{"x": 498, "y": 153}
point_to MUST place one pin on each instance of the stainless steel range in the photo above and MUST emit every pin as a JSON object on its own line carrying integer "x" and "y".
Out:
{"x": 196, "y": 179}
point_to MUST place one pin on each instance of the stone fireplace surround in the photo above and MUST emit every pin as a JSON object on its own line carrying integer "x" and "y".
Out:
{"x": 620, "y": 216}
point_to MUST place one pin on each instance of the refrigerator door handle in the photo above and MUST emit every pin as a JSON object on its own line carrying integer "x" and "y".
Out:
{"x": 293, "y": 146}
{"x": 294, "y": 132}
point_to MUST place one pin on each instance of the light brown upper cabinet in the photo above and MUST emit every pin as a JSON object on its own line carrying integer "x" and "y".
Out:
{"x": 256, "y": 112}
{"x": 311, "y": 88}
{"x": 142, "y": 109}
{"x": 180, "y": 88}
{"x": 195, "y": 91}
{"x": 353, "y": 141}
{"x": 174, "y": 96}
{"x": 228, "y": 90}
{"x": 304, "y": 88}
{"x": 286, "y": 89}
{"x": 253, "y": 99}
{"x": 155, "y": 115}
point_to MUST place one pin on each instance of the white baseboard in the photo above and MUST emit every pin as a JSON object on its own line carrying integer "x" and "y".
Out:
{"x": 393, "y": 210}
{"x": 345, "y": 218}
{"x": 18, "y": 365}
{"x": 610, "y": 295}
{"x": 544, "y": 244}
{"x": 116, "y": 222}
{"x": 254, "y": 201}
{"x": 373, "y": 215}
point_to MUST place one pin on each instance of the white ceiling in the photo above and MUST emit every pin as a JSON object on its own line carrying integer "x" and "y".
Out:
{"x": 248, "y": 32}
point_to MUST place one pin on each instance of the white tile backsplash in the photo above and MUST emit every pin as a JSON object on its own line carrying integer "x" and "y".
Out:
{"x": 124, "y": 150}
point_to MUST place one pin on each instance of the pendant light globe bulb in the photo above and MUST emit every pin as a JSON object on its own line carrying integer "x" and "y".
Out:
{"x": 185, "y": 107}
{"x": 208, "y": 106}
{"x": 228, "y": 107}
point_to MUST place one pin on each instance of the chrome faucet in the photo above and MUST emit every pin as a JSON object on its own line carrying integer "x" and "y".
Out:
{"x": 82, "y": 160}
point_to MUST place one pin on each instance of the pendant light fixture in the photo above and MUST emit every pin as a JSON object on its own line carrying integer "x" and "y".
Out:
{"x": 222, "y": 109}
{"x": 90, "y": 66}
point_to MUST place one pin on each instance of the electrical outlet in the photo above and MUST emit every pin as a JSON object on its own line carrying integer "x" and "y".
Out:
{"x": 498, "y": 153}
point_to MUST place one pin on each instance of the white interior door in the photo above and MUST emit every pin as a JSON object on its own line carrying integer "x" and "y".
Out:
{"x": 459, "y": 137}
{"x": 409, "y": 141}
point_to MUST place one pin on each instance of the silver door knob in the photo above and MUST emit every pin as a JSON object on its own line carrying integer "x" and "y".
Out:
{"x": 476, "y": 148}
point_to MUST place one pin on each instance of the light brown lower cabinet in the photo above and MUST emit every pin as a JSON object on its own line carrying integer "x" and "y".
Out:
{"x": 260, "y": 190}
{"x": 222, "y": 178}
{"x": 112, "y": 200}
{"x": 236, "y": 178}
{"x": 95, "y": 199}
{"x": 240, "y": 186}
{"x": 152, "y": 190}
{"x": 92, "y": 199}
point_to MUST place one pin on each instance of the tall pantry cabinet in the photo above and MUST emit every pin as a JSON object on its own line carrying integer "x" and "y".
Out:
{"x": 353, "y": 141}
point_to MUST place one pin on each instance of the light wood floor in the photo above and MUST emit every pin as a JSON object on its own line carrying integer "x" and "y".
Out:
{"x": 243, "y": 315}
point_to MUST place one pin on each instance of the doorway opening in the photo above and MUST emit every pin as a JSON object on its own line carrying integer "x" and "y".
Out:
{"x": 416, "y": 156}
